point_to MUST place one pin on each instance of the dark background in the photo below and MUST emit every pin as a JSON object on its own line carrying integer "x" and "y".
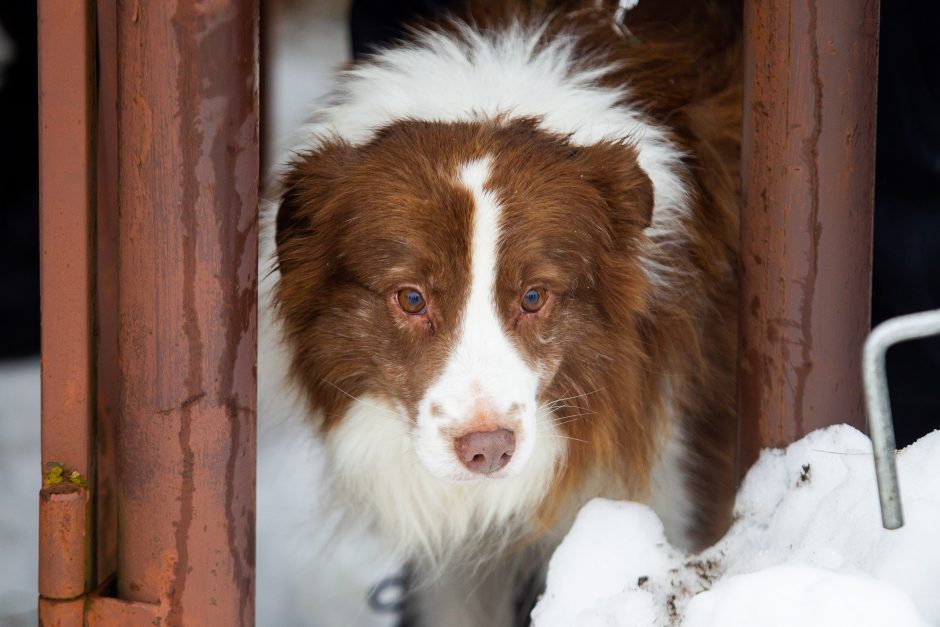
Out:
{"x": 906, "y": 275}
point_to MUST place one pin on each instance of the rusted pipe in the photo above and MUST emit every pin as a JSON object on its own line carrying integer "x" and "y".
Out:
{"x": 187, "y": 96}
{"x": 61, "y": 613}
{"x": 63, "y": 540}
{"x": 66, "y": 198}
{"x": 808, "y": 167}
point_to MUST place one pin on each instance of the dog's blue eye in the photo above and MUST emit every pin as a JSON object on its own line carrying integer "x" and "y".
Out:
{"x": 411, "y": 301}
{"x": 533, "y": 300}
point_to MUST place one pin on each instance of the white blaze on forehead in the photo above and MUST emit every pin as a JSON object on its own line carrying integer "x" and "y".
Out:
{"x": 484, "y": 245}
{"x": 498, "y": 374}
{"x": 484, "y": 373}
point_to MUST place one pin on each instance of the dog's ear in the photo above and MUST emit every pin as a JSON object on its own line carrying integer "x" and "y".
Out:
{"x": 612, "y": 167}
{"x": 628, "y": 193}
{"x": 308, "y": 203}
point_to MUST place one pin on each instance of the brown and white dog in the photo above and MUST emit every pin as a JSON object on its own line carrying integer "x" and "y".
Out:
{"x": 506, "y": 281}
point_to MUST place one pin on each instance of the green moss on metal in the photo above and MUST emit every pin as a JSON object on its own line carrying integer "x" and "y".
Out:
{"x": 57, "y": 473}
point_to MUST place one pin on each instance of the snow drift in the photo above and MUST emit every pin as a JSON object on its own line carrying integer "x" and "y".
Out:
{"x": 807, "y": 548}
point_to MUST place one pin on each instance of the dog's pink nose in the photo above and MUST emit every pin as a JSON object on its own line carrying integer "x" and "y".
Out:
{"x": 486, "y": 451}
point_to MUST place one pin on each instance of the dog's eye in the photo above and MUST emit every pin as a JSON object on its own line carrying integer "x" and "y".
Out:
{"x": 411, "y": 302}
{"x": 533, "y": 300}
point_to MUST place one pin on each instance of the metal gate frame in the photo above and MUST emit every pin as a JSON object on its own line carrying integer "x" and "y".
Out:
{"x": 149, "y": 196}
{"x": 149, "y": 193}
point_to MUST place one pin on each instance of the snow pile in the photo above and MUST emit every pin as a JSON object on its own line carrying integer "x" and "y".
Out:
{"x": 807, "y": 549}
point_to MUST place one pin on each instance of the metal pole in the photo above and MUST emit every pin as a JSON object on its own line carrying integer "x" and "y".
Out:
{"x": 66, "y": 194}
{"x": 808, "y": 168}
{"x": 187, "y": 96}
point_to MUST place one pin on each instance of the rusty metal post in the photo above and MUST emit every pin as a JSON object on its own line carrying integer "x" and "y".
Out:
{"x": 66, "y": 193}
{"x": 64, "y": 544}
{"x": 808, "y": 157}
{"x": 66, "y": 196}
{"x": 187, "y": 97}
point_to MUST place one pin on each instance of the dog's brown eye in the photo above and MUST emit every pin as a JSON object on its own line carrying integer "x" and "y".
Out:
{"x": 533, "y": 300}
{"x": 411, "y": 301}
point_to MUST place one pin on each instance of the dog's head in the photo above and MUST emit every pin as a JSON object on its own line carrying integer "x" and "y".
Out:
{"x": 478, "y": 278}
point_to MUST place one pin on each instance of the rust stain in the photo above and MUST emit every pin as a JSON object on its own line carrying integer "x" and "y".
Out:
{"x": 772, "y": 333}
{"x": 186, "y": 404}
{"x": 145, "y": 131}
{"x": 55, "y": 613}
{"x": 231, "y": 527}
{"x": 186, "y": 28}
{"x": 814, "y": 226}
{"x": 239, "y": 284}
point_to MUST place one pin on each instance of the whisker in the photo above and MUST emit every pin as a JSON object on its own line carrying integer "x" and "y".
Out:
{"x": 560, "y": 420}
{"x": 582, "y": 413}
{"x": 555, "y": 408}
{"x": 564, "y": 437}
{"x": 564, "y": 422}
{"x": 385, "y": 410}
{"x": 572, "y": 397}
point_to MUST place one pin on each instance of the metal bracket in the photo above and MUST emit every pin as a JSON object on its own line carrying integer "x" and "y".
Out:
{"x": 878, "y": 405}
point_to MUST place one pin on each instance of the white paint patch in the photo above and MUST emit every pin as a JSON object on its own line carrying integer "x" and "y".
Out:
{"x": 476, "y": 76}
{"x": 484, "y": 373}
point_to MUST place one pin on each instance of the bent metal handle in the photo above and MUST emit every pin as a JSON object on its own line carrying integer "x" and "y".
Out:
{"x": 880, "y": 425}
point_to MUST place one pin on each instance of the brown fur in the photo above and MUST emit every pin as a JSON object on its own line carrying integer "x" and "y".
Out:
{"x": 356, "y": 224}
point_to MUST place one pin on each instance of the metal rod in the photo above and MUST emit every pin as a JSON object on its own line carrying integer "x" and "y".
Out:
{"x": 878, "y": 403}
{"x": 66, "y": 199}
{"x": 808, "y": 179}
{"x": 66, "y": 193}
